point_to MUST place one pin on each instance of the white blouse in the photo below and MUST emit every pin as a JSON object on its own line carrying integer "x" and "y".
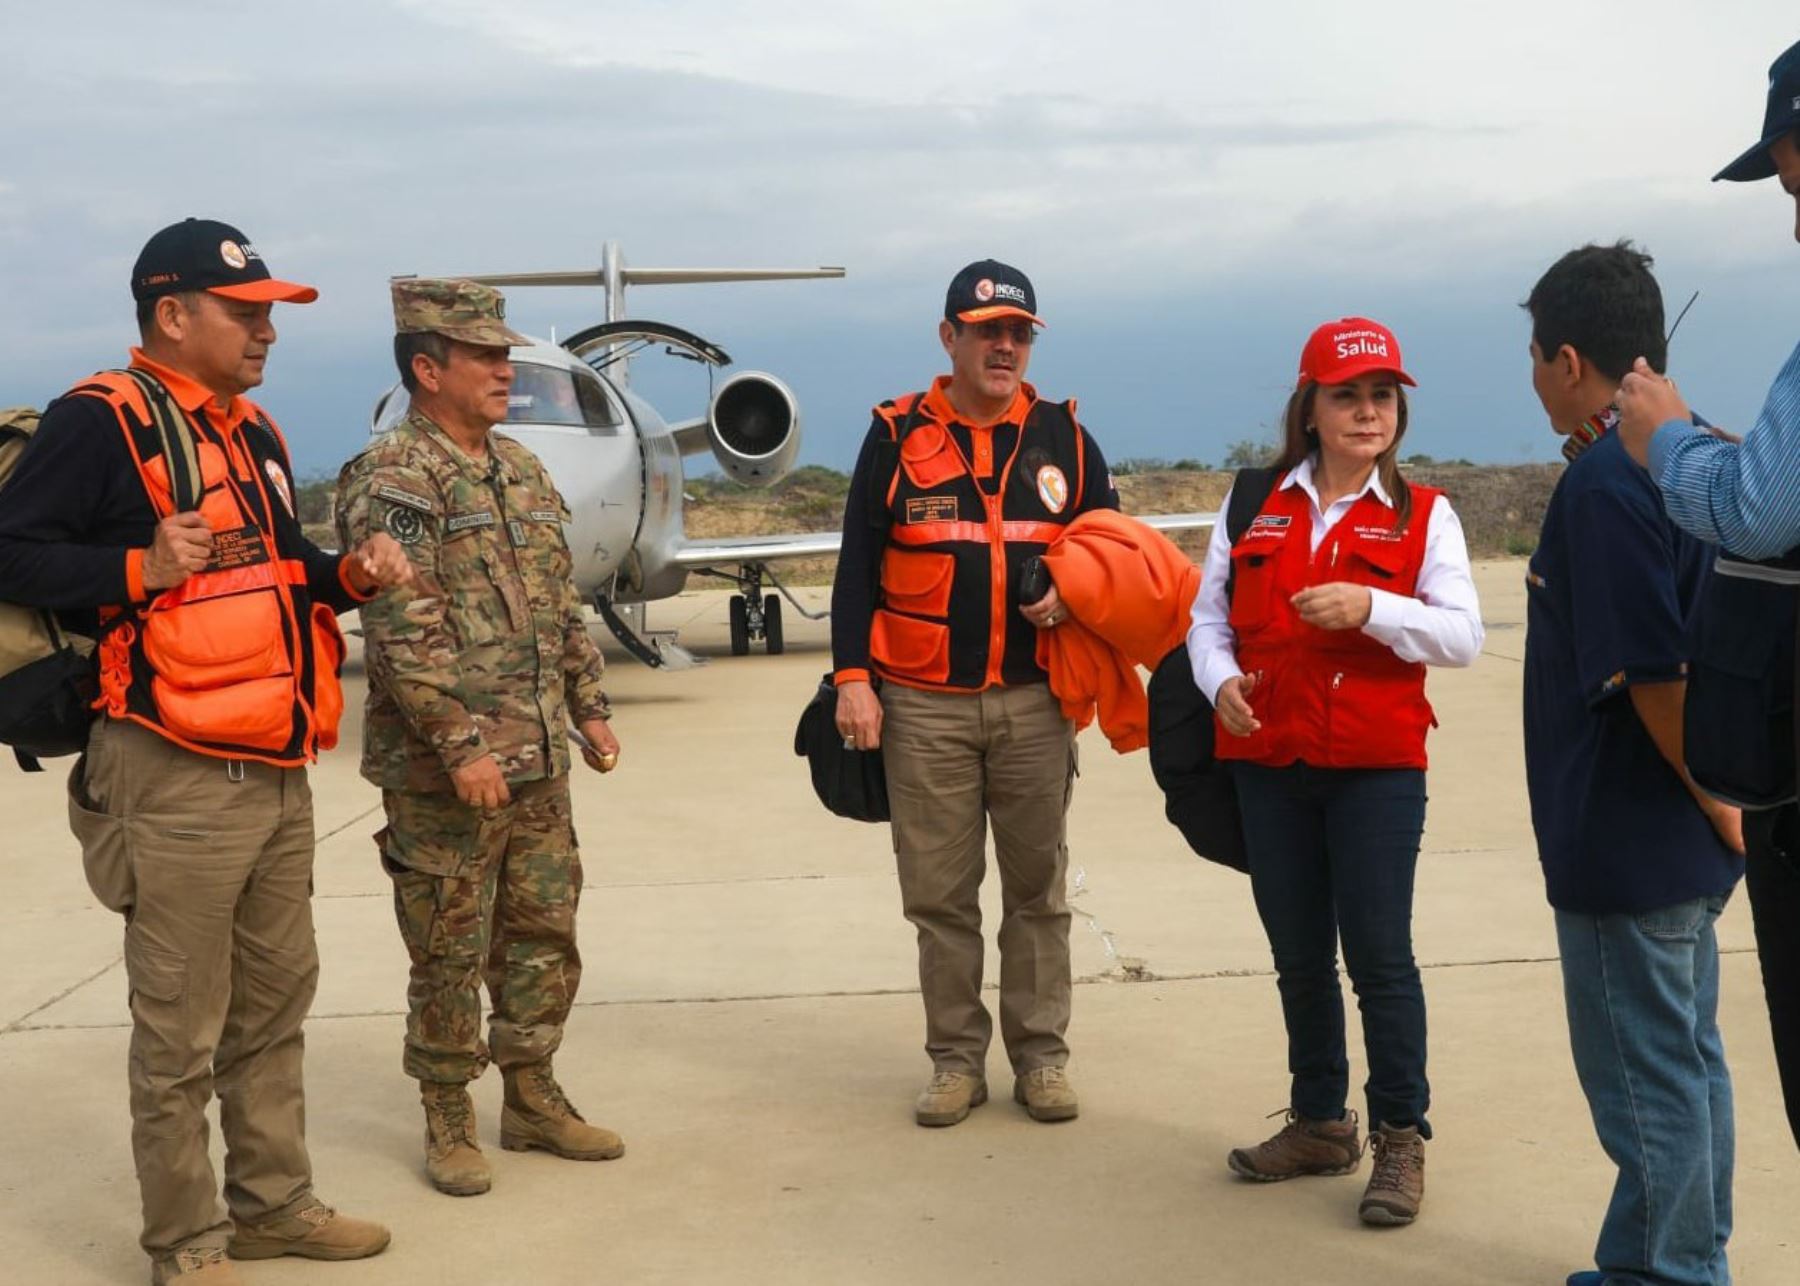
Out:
{"x": 1440, "y": 624}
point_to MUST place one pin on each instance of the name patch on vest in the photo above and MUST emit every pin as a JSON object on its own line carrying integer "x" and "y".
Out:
{"x": 462, "y": 522}
{"x": 545, "y": 515}
{"x": 930, "y": 509}
{"x": 1378, "y": 533}
{"x": 233, "y": 549}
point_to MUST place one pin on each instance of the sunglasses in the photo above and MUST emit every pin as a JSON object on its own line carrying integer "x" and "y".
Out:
{"x": 994, "y": 329}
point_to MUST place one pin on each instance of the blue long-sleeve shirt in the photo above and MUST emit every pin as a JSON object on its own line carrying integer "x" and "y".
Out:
{"x": 1745, "y": 497}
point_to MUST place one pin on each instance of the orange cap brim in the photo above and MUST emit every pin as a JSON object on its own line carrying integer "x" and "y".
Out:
{"x": 998, "y": 310}
{"x": 268, "y": 291}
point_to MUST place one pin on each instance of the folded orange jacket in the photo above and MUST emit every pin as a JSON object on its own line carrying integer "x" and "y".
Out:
{"x": 1128, "y": 591}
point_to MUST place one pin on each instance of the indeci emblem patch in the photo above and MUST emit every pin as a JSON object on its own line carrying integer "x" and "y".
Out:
{"x": 1053, "y": 488}
{"x": 278, "y": 476}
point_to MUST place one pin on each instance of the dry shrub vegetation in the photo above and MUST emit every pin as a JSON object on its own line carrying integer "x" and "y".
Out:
{"x": 1501, "y": 506}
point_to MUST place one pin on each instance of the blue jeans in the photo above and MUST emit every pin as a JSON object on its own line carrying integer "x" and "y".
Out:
{"x": 1643, "y": 997}
{"x": 1332, "y": 853}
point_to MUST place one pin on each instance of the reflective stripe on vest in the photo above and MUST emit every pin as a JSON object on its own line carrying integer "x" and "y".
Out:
{"x": 1330, "y": 698}
{"x": 218, "y": 663}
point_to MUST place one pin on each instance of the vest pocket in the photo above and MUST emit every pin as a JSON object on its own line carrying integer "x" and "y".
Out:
{"x": 917, "y": 581}
{"x": 1376, "y": 563}
{"x": 211, "y": 642}
{"x": 1376, "y": 720}
{"x": 1252, "y": 585}
{"x": 258, "y": 713}
{"x": 220, "y": 670}
{"x": 905, "y": 645}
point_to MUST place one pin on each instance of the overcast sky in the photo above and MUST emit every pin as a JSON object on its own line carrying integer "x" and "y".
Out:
{"x": 1191, "y": 187}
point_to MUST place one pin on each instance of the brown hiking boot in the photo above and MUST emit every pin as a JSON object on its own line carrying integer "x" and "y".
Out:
{"x": 453, "y": 1160}
{"x": 197, "y": 1266}
{"x": 949, "y": 1098}
{"x": 1397, "y": 1182}
{"x": 1046, "y": 1094}
{"x": 539, "y": 1115}
{"x": 314, "y": 1231}
{"x": 1300, "y": 1147}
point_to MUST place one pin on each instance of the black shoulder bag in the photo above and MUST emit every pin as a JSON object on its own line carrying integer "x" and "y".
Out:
{"x": 1199, "y": 796}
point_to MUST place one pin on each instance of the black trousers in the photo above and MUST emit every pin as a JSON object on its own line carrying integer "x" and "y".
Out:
{"x": 1773, "y": 878}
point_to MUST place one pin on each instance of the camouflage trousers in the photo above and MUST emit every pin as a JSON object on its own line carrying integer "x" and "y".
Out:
{"x": 484, "y": 896}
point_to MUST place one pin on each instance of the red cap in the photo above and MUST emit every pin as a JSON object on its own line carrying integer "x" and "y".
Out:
{"x": 1340, "y": 351}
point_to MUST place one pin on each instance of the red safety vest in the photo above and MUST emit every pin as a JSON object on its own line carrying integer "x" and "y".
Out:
{"x": 948, "y": 614}
{"x": 1331, "y": 698}
{"x": 229, "y": 663}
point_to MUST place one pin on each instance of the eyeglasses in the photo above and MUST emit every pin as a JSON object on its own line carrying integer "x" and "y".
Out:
{"x": 994, "y": 329}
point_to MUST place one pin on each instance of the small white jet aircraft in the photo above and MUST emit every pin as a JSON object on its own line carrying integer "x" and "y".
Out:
{"x": 618, "y": 463}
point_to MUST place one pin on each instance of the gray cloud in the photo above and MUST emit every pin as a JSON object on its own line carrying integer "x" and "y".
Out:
{"x": 1182, "y": 254}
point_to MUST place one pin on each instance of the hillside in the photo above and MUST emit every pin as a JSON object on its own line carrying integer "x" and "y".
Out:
{"x": 1501, "y": 506}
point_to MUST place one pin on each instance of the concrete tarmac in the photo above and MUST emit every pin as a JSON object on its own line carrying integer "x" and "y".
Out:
{"x": 749, "y": 1022}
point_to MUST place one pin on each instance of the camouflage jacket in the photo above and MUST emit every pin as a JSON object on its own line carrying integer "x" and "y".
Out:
{"x": 490, "y": 654}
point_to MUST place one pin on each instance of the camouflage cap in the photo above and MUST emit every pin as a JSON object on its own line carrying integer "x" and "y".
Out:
{"x": 462, "y": 310}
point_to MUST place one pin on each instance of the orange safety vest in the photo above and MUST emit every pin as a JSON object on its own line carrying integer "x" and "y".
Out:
{"x": 228, "y": 663}
{"x": 1332, "y": 698}
{"x": 948, "y": 616}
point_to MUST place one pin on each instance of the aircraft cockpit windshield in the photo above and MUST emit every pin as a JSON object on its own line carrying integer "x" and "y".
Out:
{"x": 559, "y": 395}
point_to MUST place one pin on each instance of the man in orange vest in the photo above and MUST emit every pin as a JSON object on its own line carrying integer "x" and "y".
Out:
{"x": 955, "y": 489}
{"x": 179, "y": 546}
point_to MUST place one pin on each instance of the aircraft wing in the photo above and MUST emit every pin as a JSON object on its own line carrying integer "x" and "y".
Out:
{"x": 823, "y": 544}
{"x": 1178, "y": 522}
{"x": 757, "y": 549}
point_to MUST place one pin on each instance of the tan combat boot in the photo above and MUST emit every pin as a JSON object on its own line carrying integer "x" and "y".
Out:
{"x": 1397, "y": 1183}
{"x": 453, "y": 1160}
{"x": 948, "y": 1098}
{"x": 196, "y": 1266}
{"x": 1046, "y": 1095}
{"x": 537, "y": 1114}
{"x": 314, "y": 1231}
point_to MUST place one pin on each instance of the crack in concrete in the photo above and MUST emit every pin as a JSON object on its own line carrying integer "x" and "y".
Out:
{"x": 644, "y": 884}
{"x": 1111, "y": 977}
{"x": 1128, "y": 968}
{"x": 23, "y": 1021}
{"x": 370, "y": 811}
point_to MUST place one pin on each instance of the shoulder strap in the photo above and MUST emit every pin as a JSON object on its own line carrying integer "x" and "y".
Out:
{"x": 887, "y": 464}
{"x": 180, "y": 448}
{"x": 1250, "y": 490}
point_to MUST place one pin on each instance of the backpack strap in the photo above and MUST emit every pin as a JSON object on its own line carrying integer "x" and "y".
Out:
{"x": 1250, "y": 490}
{"x": 180, "y": 448}
{"x": 887, "y": 466}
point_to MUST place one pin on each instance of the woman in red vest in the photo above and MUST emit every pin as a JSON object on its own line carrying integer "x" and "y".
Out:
{"x": 1311, "y": 636}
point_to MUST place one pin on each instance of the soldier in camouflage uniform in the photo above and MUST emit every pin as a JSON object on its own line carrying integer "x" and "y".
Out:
{"x": 472, "y": 684}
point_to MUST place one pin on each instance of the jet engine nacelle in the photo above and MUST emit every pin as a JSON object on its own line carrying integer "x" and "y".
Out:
{"x": 754, "y": 428}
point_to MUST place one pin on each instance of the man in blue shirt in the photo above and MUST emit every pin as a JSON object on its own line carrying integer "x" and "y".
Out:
{"x": 1638, "y": 861}
{"x": 1745, "y": 497}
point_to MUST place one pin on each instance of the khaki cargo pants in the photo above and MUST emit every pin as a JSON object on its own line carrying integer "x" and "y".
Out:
{"x": 956, "y": 761}
{"x": 211, "y": 865}
{"x": 484, "y": 895}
